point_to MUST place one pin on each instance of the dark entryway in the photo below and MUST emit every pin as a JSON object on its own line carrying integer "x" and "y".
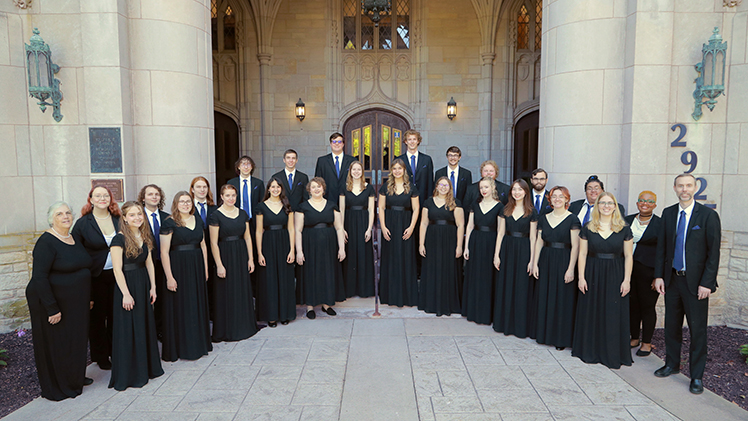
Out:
{"x": 526, "y": 145}
{"x": 227, "y": 148}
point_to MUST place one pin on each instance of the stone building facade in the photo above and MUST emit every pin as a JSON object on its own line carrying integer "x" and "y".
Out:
{"x": 577, "y": 87}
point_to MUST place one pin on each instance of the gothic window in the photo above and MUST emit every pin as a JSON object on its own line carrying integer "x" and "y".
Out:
{"x": 530, "y": 25}
{"x": 223, "y": 22}
{"x": 349, "y": 24}
{"x": 214, "y": 24}
{"x": 538, "y": 22}
{"x": 523, "y": 32}
{"x": 360, "y": 33}
{"x": 229, "y": 30}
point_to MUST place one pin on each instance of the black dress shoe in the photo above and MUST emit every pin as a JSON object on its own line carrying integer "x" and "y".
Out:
{"x": 284, "y": 322}
{"x": 330, "y": 311}
{"x": 560, "y": 348}
{"x": 696, "y": 387}
{"x": 87, "y": 381}
{"x": 272, "y": 324}
{"x": 105, "y": 365}
{"x": 641, "y": 353}
{"x": 665, "y": 371}
{"x": 311, "y": 314}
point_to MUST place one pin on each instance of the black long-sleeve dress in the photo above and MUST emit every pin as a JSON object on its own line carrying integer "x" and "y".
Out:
{"x": 276, "y": 297}
{"x": 358, "y": 266}
{"x": 135, "y": 356}
{"x": 186, "y": 324}
{"x": 440, "y": 288}
{"x": 234, "y": 311}
{"x": 398, "y": 279}
{"x": 60, "y": 283}
{"x": 480, "y": 273}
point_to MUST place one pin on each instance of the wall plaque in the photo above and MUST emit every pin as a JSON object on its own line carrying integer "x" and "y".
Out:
{"x": 114, "y": 184}
{"x": 106, "y": 149}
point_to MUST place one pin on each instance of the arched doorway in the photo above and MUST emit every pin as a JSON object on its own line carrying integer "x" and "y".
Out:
{"x": 227, "y": 147}
{"x": 375, "y": 137}
{"x": 526, "y": 145}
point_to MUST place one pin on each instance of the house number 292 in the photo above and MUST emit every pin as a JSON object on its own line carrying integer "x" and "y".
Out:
{"x": 691, "y": 159}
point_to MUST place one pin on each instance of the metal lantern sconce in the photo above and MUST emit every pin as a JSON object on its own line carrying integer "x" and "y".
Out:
{"x": 711, "y": 80}
{"x": 451, "y": 108}
{"x": 376, "y": 9}
{"x": 300, "y": 110}
{"x": 42, "y": 82}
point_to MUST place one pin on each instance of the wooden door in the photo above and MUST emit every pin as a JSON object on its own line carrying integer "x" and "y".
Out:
{"x": 526, "y": 146}
{"x": 227, "y": 148}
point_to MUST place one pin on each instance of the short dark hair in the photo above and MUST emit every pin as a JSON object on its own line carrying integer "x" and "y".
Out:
{"x": 537, "y": 171}
{"x": 288, "y": 151}
{"x": 685, "y": 174}
{"x": 454, "y": 149}
{"x": 594, "y": 179}
{"x": 245, "y": 158}
{"x": 335, "y": 136}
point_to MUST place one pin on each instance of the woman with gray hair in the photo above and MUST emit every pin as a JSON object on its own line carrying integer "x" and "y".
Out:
{"x": 58, "y": 298}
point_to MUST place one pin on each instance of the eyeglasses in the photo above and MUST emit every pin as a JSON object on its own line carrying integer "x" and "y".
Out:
{"x": 245, "y": 164}
{"x": 185, "y": 202}
{"x": 651, "y": 202}
{"x": 101, "y": 196}
{"x": 337, "y": 142}
{"x": 606, "y": 203}
{"x": 593, "y": 188}
{"x": 538, "y": 179}
{"x": 453, "y": 155}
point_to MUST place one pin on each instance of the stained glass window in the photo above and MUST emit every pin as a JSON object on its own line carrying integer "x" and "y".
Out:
{"x": 385, "y": 33}
{"x": 403, "y": 25}
{"x": 392, "y": 32}
{"x": 523, "y": 29}
{"x": 229, "y": 30}
{"x": 349, "y": 24}
{"x": 538, "y": 23}
{"x": 214, "y": 24}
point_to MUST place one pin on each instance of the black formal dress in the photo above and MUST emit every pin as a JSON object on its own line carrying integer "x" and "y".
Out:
{"x": 601, "y": 330}
{"x": 60, "y": 283}
{"x": 186, "y": 324}
{"x": 643, "y": 299}
{"x": 235, "y": 313}
{"x": 358, "y": 266}
{"x": 480, "y": 273}
{"x": 87, "y": 232}
{"x": 398, "y": 280}
{"x": 515, "y": 305}
{"x": 441, "y": 276}
{"x": 472, "y": 194}
{"x": 557, "y": 300}
{"x": 464, "y": 180}
{"x": 158, "y": 306}
{"x": 276, "y": 297}
{"x": 423, "y": 176}
{"x": 135, "y": 356}
{"x": 326, "y": 169}
{"x": 320, "y": 279}
{"x": 297, "y": 192}
{"x": 576, "y": 206}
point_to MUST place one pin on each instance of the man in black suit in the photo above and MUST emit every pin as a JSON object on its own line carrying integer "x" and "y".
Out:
{"x": 686, "y": 267}
{"x": 487, "y": 169}
{"x": 460, "y": 177}
{"x": 333, "y": 167}
{"x": 152, "y": 198}
{"x": 293, "y": 181}
{"x": 539, "y": 180}
{"x": 582, "y": 208}
{"x": 250, "y": 190}
{"x": 419, "y": 166}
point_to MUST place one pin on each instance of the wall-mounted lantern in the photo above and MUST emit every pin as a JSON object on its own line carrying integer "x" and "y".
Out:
{"x": 300, "y": 110}
{"x": 451, "y": 108}
{"x": 711, "y": 80}
{"x": 42, "y": 82}
{"x": 376, "y": 9}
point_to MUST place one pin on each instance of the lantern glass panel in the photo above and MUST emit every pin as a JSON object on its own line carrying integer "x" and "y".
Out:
{"x": 719, "y": 68}
{"x": 708, "y": 69}
{"x": 44, "y": 71}
{"x": 33, "y": 69}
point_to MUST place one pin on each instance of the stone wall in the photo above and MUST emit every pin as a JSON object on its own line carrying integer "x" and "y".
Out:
{"x": 15, "y": 272}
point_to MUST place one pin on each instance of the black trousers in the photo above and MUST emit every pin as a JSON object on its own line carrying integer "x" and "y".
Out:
{"x": 679, "y": 302}
{"x": 642, "y": 303}
{"x": 158, "y": 306}
{"x": 100, "y": 327}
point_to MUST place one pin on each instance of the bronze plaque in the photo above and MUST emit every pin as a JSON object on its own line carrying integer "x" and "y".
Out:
{"x": 114, "y": 184}
{"x": 106, "y": 149}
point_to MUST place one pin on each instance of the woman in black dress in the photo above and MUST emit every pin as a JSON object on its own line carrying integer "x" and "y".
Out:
{"x": 135, "y": 356}
{"x": 644, "y": 227}
{"x": 357, "y": 210}
{"x": 320, "y": 247}
{"x": 232, "y": 252}
{"x": 183, "y": 253}
{"x": 516, "y": 299}
{"x": 95, "y": 230}
{"x": 276, "y": 297}
{"x": 398, "y": 215}
{"x": 602, "y": 331}
{"x": 480, "y": 274}
{"x": 440, "y": 244}
{"x": 58, "y": 299}
{"x": 556, "y": 251}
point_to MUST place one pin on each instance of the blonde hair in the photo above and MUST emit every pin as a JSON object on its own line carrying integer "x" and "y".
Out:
{"x": 492, "y": 183}
{"x": 450, "y": 198}
{"x": 391, "y": 179}
{"x": 349, "y": 178}
{"x": 132, "y": 249}
{"x": 647, "y": 192}
{"x": 616, "y": 223}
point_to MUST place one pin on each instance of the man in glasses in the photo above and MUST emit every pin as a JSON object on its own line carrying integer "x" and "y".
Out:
{"x": 583, "y": 207}
{"x": 539, "y": 193}
{"x": 460, "y": 177}
{"x": 333, "y": 167}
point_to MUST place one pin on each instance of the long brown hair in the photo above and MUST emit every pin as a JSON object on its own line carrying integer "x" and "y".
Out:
{"x": 208, "y": 198}
{"x": 132, "y": 249}
{"x": 284, "y": 200}
{"x": 349, "y": 178}
{"x": 175, "y": 215}
{"x": 113, "y": 207}
{"x": 391, "y": 190}
{"x": 616, "y": 222}
{"x": 141, "y": 195}
{"x": 526, "y": 202}
{"x": 449, "y": 200}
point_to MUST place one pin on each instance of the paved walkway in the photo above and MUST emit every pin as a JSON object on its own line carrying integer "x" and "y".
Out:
{"x": 402, "y": 366}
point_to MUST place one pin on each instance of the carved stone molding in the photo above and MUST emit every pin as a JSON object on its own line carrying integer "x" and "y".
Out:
{"x": 367, "y": 68}
{"x": 22, "y": 4}
{"x": 513, "y": 33}
{"x": 403, "y": 68}
{"x": 731, "y": 3}
{"x": 335, "y": 38}
{"x": 349, "y": 68}
{"x": 385, "y": 68}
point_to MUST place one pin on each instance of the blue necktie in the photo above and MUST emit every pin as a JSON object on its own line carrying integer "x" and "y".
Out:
{"x": 587, "y": 216}
{"x": 337, "y": 166}
{"x": 290, "y": 182}
{"x": 679, "y": 261}
{"x": 413, "y": 164}
{"x": 537, "y": 204}
{"x": 245, "y": 200}
{"x": 454, "y": 184}
{"x": 202, "y": 213}
{"x": 156, "y": 233}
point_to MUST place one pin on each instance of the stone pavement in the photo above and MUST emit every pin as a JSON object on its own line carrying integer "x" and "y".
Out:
{"x": 403, "y": 366}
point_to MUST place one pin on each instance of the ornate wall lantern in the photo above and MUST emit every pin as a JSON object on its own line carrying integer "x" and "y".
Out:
{"x": 42, "y": 82}
{"x": 451, "y": 108}
{"x": 376, "y": 9}
{"x": 300, "y": 110}
{"x": 711, "y": 80}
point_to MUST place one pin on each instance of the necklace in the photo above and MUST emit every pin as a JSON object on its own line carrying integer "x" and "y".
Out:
{"x": 108, "y": 215}
{"x": 60, "y": 235}
{"x": 644, "y": 222}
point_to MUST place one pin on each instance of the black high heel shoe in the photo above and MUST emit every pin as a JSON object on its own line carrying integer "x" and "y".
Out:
{"x": 272, "y": 324}
{"x": 330, "y": 311}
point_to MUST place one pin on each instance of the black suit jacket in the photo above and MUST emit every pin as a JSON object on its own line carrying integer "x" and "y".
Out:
{"x": 162, "y": 216}
{"x": 464, "y": 180}
{"x": 298, "y": 193}
{"x": 326, "y": 169}
{"x": 646, "y": 247}
{"x": 86, "y": 231}
{"x": 258, "y": 192}
{"x": 545, "y": 205}
{"x": 424, "y": 178}
{"x": 576, "y": 206}
{"x": 703, "y": 237}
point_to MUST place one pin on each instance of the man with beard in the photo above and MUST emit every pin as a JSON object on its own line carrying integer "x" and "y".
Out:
{"x": 539, "y": 193}
{"x": 583, "y": 207}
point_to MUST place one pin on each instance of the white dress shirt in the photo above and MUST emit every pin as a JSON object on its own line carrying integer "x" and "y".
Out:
{"x": 583, "y": 211}
{"x": 408, "y": 155}
{"x": 241, "y": 190}
{"x": 449, "y": 174}
{"x": 689, "y": 212}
